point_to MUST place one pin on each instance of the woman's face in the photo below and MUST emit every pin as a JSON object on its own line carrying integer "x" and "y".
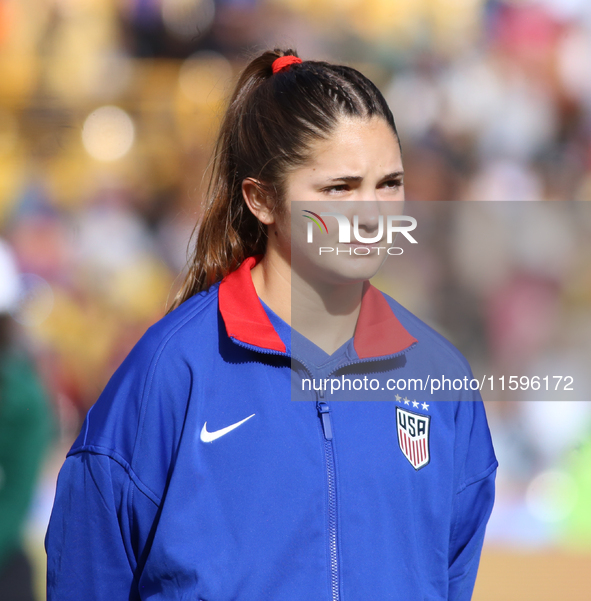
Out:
{"x": 356, "y": 172}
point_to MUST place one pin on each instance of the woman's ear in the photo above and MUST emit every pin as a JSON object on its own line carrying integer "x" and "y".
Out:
{"x": 258, "y": 200}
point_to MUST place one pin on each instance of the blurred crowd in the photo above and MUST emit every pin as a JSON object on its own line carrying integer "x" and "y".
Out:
{"x": 108, "y": 111}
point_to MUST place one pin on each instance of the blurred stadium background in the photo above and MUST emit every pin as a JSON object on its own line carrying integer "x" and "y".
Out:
{"x": 108, "y": 110}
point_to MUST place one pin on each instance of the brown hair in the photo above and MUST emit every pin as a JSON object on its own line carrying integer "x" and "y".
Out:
{"x": 267, "y": 130}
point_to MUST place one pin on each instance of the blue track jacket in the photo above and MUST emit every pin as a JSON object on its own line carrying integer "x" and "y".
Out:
{"x": 204, "y": 472}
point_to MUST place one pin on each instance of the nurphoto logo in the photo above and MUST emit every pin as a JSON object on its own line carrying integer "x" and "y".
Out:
{"x": 392, "y": 228}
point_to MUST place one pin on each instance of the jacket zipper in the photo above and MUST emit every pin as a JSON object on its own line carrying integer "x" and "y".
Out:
{"x": 324, "y": 414}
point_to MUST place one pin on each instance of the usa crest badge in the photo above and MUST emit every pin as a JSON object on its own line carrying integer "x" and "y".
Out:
{"x": 413, "y": 436}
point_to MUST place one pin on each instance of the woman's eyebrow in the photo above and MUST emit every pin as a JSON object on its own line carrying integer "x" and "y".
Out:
{"x": 358, "y": 178}
{"x": 347, "y": 178}
{"x": 394, "y": 175}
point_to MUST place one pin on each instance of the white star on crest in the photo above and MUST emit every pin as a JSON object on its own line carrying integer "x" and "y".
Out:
{"x": 415, "y": 404}
{"x": 406, "y": 401}
{"x": 425, "y": 406}
{"x": 398, "y": 397}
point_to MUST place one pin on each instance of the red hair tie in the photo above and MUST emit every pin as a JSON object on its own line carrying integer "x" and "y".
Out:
{"x": 284, "y": 62}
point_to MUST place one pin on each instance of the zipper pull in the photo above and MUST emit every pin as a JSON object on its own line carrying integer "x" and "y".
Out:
{"x": 324, "y": 413}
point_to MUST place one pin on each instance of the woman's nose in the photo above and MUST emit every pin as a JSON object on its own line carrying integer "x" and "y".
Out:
{"x": 368, "y": 214}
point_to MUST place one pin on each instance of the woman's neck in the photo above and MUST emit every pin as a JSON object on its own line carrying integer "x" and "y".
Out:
{"x": 324, "y": 313}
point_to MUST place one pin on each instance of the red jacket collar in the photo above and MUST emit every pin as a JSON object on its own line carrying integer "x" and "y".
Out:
{"x": 378, "y": 331}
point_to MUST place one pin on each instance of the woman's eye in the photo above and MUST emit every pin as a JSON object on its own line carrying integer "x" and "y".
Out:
{"x": 393, "y": 184}
{"x": 336, "y": 189}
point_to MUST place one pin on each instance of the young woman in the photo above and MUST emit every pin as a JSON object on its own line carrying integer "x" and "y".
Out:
{"x": 197, "y": 475}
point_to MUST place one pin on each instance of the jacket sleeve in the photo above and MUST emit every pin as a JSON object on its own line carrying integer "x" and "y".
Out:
{"x": 473, "y": 500}
{"x": 85, "y": 540}
{"x": 110, "y": 487}
{"x": 472, "y": 508}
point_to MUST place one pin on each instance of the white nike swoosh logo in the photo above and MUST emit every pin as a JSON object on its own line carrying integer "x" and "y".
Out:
{"x": 211, "y": 436}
